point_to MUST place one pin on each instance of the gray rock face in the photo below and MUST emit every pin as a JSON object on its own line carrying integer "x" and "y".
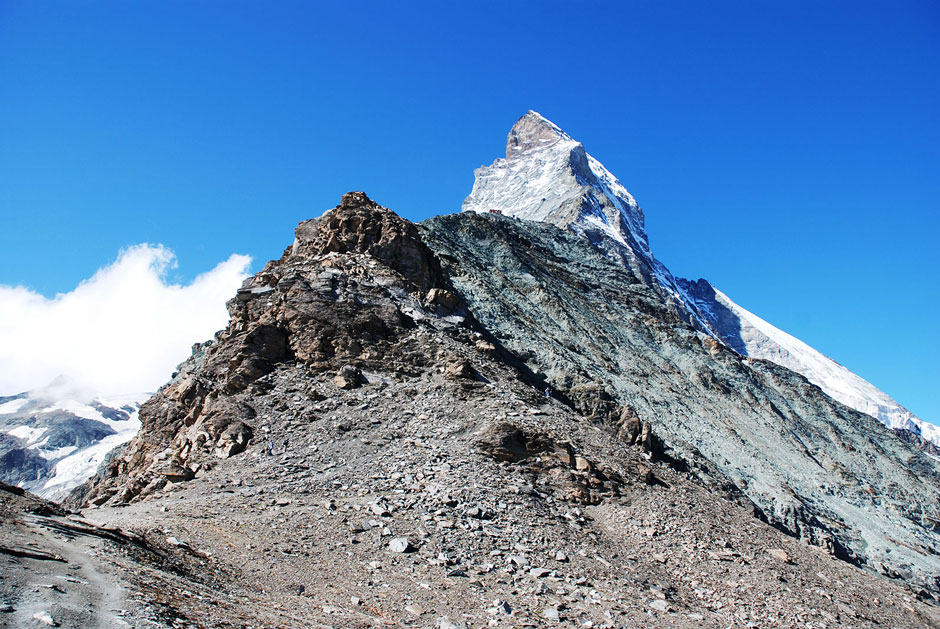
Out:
{"x": 750, "y": 335}
{"x": 547, "y": 176}
{"x": 606, "y": 342}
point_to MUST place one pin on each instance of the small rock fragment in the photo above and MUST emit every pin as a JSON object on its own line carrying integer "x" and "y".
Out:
{"x": 400, "y": 545}
{"x": 414, "y": 610}
{"x": 659, "y": 605}
{"x": 45, "y": 618}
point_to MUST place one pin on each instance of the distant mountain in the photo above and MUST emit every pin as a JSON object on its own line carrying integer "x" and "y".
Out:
{"x": 548, "y": 176}
{"x": 54, "y": 439}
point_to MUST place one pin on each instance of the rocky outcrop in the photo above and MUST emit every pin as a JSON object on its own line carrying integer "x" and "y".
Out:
{"x": 337, "y": 301}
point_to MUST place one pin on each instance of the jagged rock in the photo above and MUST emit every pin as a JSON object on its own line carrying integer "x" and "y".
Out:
{"x": 445, "y": 300}
{"x": 400, "y": 545}
{"x": 349, "y": 377}
{"x": 507, "y": 442}
{"x": 460, "y": 369}
{"x": 359, "y": 225}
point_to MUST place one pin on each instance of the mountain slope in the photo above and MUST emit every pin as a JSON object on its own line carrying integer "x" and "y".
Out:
{"x": 368, "y": 443}
{"x": 547, "y": 176}
{"x": 610, "y": 345}
{"x": 54, "y": 439}
{"x": 752, "y": 336}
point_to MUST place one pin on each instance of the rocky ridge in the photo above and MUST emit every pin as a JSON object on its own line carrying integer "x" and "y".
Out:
{"x": 547, "y": 176}
{"x": 368, "y": 443}
{"x": 810, "y": 465}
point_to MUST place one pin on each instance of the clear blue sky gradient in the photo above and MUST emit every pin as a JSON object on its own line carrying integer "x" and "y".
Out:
{"x": 789, "y": 152}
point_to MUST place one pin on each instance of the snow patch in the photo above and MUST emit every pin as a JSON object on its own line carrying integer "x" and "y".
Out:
{"x": 74, "y": 470}
{"x": 13, "y": 406}
{"x": 27, "y": 434}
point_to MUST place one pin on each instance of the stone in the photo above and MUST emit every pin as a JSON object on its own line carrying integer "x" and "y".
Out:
{"x": 349, "y": 377}
{"x": 445, "y": 300}
{"x": 551, "y": 613}
{"x": 779, "y": 554}
{"x": 380, "y": 509}
{"x": 460, "y": 369}
{"x": 659, "y": 605}
{"x": 538, "y": 573}
{"x": 414, "y": 610}
{"x": 45, "y": 618}
{"x": 400, "y": 545}
{"x": 518, "y": 560}
{"x": 447, "y": 623}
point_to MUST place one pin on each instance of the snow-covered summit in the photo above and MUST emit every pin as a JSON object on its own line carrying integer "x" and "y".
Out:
{"x": 548, "y": 176}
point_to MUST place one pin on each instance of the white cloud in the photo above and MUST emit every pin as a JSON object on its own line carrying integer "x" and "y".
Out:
{"x": 124, "y": 330}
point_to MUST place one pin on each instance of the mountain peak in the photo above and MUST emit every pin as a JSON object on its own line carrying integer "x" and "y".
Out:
{"x": 548, "y": 176}
{"x": 533, "y": 130}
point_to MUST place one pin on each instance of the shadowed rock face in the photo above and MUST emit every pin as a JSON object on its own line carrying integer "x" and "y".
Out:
{"x": 464, "y": 314}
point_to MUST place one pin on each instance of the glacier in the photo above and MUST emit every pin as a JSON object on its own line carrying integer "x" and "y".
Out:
{"x": 54, "y": 439}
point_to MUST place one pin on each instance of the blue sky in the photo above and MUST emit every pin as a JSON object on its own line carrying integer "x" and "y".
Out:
{"x": 789, "y": 152}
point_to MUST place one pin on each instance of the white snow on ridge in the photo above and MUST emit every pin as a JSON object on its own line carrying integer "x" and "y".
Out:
{"x": 27, "y": 434}
{"x": 833, "y": 378}
{"x": 12, "y": 406}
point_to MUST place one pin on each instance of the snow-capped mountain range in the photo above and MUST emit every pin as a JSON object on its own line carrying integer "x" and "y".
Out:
{"x": 548, "y": 176}
{"x": 53, "y": 439}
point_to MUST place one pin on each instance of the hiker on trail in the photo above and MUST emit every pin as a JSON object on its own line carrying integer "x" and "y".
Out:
{"x": 548, "y": 392}
{"x": 270, "y": 448}
{"x": 285, "y": 445}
